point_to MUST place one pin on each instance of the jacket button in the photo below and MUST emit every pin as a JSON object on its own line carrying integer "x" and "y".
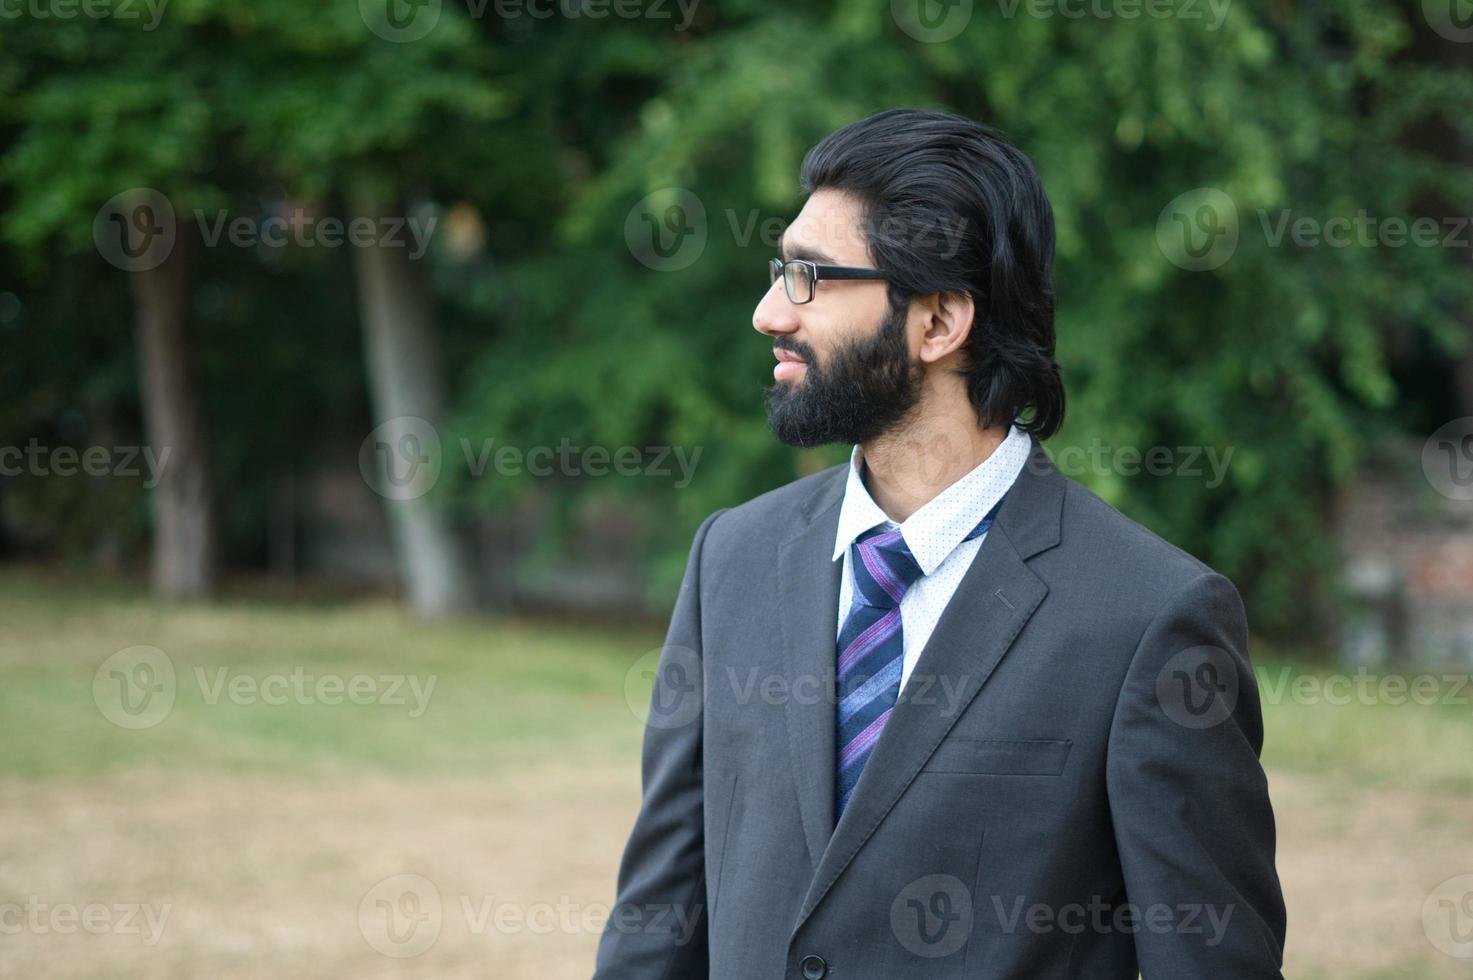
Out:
{"x": 814, "y": 967}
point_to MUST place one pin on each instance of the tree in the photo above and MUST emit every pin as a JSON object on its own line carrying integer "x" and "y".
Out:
{"x": 184, "y": 552}
{"x": 328, "y": 104}
{"x": 107, "y": 148}
{"x": 355, "y": 110}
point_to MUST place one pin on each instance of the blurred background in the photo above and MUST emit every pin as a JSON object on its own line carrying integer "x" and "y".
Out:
{"x": 366, "y": 367}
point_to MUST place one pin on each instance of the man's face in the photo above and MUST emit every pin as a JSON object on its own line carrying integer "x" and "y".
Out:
{"x": 846, "y": 372}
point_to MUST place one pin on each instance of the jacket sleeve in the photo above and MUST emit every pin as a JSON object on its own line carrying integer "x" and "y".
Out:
{"x": 657, "y": 927}
{"x": 1189, "y": 799}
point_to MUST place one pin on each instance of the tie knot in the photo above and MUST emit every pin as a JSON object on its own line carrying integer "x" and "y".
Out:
{"x": 883, "y": 568}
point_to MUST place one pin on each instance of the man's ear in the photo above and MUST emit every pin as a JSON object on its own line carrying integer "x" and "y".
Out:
{"x": 946, "y": 323}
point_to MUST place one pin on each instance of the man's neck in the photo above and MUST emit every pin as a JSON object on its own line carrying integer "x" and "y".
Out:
{"x": 906, "y": 468}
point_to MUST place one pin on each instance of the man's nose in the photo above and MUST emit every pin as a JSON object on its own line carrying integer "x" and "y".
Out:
{"x": 775, "y": 314}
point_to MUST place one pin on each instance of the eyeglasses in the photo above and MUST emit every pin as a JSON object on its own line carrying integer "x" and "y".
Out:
{"x": 799, "y": 276}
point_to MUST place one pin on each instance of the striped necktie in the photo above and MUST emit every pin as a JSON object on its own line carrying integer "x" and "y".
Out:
{"x": 871, "y": 646}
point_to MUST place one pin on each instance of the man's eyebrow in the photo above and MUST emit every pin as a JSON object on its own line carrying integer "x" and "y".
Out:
{"x": 802, "y": 252}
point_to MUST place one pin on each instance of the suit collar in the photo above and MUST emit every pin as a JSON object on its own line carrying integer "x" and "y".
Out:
{"x": 1031, "y": 515}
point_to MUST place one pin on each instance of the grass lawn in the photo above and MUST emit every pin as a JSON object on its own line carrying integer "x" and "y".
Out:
{"x": 476, "y": 695}
{"x": 506, "y": 769}
{"x": 1365, "y": 732}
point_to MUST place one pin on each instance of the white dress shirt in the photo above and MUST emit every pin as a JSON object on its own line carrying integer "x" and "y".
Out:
{"x": 934, "y": 535}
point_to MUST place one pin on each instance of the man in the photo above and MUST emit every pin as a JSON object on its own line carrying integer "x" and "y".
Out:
{"x": 941, "y": 712}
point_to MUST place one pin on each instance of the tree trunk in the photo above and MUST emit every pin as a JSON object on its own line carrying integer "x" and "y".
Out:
{"x": 407, "y": 391}
{"x": 184, "y": 563}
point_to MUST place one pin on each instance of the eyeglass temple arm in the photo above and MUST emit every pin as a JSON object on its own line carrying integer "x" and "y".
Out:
{"x": 847, "y": 272}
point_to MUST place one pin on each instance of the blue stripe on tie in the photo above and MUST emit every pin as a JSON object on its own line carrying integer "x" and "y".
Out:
{"x": 866, "y": 692}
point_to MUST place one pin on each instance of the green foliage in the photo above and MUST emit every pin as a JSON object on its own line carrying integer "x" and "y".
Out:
{"x": 219, "y": 96}
{"x": 1278, "y": 357}
{"x": 555, "y": 129}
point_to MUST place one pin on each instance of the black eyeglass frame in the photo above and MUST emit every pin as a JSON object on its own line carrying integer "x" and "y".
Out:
{"x": 777, "y": 269}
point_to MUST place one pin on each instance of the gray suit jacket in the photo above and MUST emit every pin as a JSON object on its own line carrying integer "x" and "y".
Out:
{"x": 1069, "y": 786}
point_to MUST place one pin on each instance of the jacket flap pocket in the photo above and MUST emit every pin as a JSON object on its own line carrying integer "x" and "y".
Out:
{"x": 1002, "y": 756}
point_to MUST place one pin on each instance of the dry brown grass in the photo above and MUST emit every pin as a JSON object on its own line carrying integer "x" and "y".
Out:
{"x": 264, "y": 877}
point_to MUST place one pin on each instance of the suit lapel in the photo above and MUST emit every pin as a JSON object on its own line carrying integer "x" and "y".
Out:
{"x": 993, "y": 602}
{"x": 808, "y": 590}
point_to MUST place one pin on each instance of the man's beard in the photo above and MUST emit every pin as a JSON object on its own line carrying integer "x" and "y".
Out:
{"x": 862, "y": 390}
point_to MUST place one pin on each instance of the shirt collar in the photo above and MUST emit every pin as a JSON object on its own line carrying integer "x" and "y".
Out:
{"x": 933, "y": 531}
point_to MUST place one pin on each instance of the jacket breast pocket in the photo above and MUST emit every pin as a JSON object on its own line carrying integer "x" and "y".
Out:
{"x": 1001, "y": 756}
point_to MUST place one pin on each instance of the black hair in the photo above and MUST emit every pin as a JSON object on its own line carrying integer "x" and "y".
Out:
{"x": 948, "y": 205}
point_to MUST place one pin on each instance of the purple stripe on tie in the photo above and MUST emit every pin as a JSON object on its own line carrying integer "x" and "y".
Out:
{"x": 855, "y": 749}
{"x": 868, "y": 640}
{"x": 880, "y": 572}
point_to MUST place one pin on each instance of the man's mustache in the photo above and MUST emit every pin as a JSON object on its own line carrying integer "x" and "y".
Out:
{"x": 794, "y": 347}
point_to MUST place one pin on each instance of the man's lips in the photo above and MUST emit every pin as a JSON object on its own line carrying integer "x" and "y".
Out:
{"x": 789, "y": 365}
